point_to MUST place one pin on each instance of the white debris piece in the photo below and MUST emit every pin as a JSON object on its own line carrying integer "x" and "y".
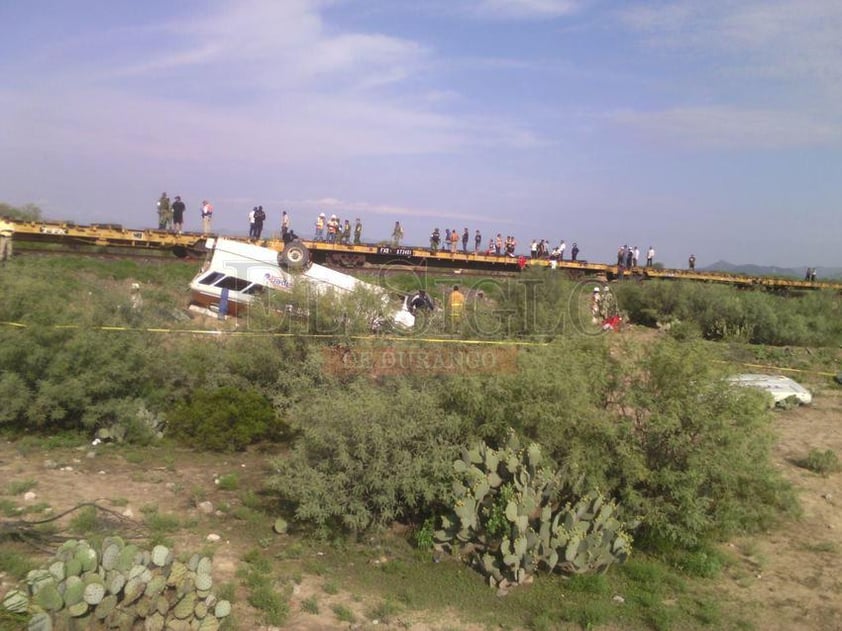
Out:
{"x": 780, "y": 387}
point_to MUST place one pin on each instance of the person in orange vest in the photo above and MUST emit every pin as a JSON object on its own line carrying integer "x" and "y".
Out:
{"x": 457, "y": 304}
{"x": 332, "y": 229}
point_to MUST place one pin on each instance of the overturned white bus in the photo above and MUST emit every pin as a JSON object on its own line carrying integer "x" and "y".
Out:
{"x": 246, "y": 271}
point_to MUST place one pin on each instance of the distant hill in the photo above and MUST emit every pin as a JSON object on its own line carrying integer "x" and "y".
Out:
{"x": 822, "y": 273}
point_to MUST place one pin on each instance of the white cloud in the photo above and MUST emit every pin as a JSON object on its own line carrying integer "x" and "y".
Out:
{"x": 731, "y": 127}
{"x": 786, "y": 39}
{"x": 274, "y": 44}
{"x": 526, "y": 9}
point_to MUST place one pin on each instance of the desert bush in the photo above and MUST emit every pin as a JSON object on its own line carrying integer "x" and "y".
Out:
{"x": 366, "y": 456}
{"x": 559, "y": 397}
{"x": 698, "y": 464}
{"x": 222, "y": 419}
{"x": 653, "y": 426}
{"x": 821, "y": 462}
{"x": 728, "y": 313}
{"x": 536, "y": 303}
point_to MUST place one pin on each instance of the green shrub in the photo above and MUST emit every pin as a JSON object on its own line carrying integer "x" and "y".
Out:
{"x": 423, "y": 536}
{"x": 728, "y": 313}
{"x": 821, "y": 462}
{"x": 365, "y": 457}
{"x": 343, "y": 614}
{"x": 19, "y": 487}
{"x": 224, "y": 419}
{"x": 228, "y": 482}
{"x": 699, "y": 464}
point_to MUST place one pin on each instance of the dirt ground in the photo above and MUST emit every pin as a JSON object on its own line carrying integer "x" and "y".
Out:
{"x": 789, "y": 578}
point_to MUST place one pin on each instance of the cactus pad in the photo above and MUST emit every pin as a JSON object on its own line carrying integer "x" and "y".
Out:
{"x": 161, "y": 555}
{"x": 49, "y": 598}
{"x": 16, "y": 601}
{"x": 40, "y": 622}
{"x": 94, "y": 593}
{"x": 222, "y": 609}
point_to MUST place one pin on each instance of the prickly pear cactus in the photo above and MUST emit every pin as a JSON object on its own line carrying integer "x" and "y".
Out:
{"x": 118, "y": 586}
{"x": 510, "y": 520}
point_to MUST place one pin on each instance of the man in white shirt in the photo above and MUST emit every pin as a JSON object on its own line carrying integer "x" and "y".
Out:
{"x": 7, "y": 231}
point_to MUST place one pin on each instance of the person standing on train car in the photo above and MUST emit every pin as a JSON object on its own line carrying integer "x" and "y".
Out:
{"x": 178, "y": 208}
{"x": 259, "y": 218}
{"x": 477, "y": 242}
{"x": 465, "y": 237}
{"x": 320, "y": 228}
{"x": 358, "y": 232}
{"x": 397, "y": 235}
{"x": 164, "y": 213}
{"x": 252, "y": 214}
{"x": 207, "y": 216}
{"x": 284, "y": 225}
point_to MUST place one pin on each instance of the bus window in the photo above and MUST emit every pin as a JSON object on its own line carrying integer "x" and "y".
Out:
{"x": 211, "y": 278}
{"x": 233, "y": 283}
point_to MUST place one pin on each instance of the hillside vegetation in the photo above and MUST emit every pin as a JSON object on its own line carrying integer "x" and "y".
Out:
{"x": 648, "y": 425}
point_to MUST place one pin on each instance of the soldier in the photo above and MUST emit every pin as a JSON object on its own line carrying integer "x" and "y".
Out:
{"x": 435, "y": 240}
{"x": 259, "y": 218}
{"x": 397, "y": 234}
{"x": 164, "y": 212}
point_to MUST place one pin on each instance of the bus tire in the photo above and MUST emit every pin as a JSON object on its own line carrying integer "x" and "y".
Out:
{"x": 295, "y": 255}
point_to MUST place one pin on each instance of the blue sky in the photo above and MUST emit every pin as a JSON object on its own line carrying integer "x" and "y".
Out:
{"x": 709, "y": 127}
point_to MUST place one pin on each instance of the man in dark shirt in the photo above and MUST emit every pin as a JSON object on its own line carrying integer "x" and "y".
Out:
{"x": 178, "y": 209}
{"x": 420, "y": 301}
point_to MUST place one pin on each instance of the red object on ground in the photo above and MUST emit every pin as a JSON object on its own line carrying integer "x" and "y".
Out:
{"x": 521, "y": 262}
{"x": 612, "y": 323}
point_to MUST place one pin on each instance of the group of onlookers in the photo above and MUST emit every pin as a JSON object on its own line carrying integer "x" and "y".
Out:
{"x": 452, "y": 238}
{"x": 541, "y": 250}
{"x": 449, "y": 242}
{"x": 334, "y": 230}
{"x": 338, "y": 231}
{"x": 171, "y": 214}
{"x": 628, "y": 257}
